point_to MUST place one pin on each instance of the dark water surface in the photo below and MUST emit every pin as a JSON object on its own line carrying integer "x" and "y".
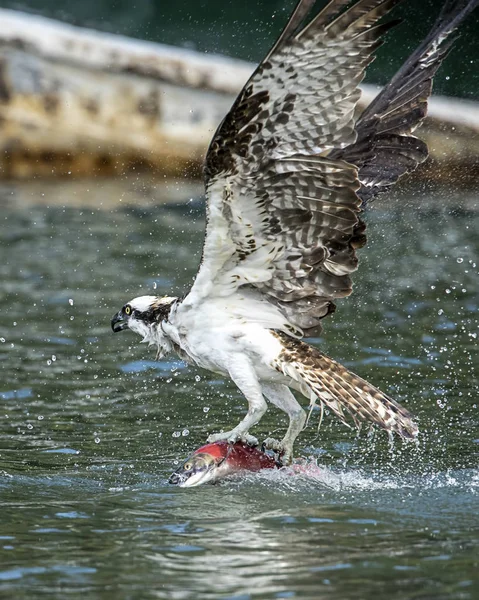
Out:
{"x": 91, "y": 426}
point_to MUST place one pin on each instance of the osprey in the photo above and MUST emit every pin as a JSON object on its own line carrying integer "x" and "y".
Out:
{"x": 288, "y": 173}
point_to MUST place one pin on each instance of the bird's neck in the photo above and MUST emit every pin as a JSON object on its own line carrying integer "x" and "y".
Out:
{"x": 164, "y": 334}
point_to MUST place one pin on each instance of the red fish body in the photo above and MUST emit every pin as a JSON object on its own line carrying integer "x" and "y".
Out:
{"x": 239, "y": 456}
{"x": 219, "y": 459}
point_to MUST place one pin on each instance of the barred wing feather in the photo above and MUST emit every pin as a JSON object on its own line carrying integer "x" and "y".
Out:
{"x": 385, "y": 148}
{"x": 283, "y": 217}
{"x": 289, "y": 168}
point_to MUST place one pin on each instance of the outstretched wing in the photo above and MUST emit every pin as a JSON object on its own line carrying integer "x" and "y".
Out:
{"x": 282, "y": 216}
{"x": 385, "y": 149}
{"x": 282, "y": 168}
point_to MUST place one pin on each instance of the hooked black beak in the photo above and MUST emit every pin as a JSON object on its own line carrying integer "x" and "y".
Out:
{"x": 119, "y": 323}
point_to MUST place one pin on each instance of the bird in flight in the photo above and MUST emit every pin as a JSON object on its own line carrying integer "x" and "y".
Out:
{"x": 288, "y": 173}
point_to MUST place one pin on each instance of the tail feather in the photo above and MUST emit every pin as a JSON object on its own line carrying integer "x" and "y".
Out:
{"x": 347, "y": 395}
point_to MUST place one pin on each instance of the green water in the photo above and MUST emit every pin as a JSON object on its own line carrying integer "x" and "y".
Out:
{"x": 91, "y": 426}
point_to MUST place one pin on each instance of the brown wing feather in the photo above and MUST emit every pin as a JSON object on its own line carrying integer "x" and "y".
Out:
{"x": 385, "y": 148}
{"x": 284, "y": 195}
{"x": 271, "y": 186}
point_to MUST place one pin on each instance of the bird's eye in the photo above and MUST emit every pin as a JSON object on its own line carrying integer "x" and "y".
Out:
{"x": 187, "y": 466}
{"x": 127, "y": 310}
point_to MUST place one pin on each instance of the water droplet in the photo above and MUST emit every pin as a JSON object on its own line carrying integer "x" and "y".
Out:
{"x": 70, "y": 301}
{"x": 97, "y": 440}
{"x": 2, "y": 339}
{"x": 197, "y": 378}
{"x": 40, "y": 417}
{"x": 176, "y": 434}
{"x": 29, "y": 426}
{"x": 206, "y": 409}
{"x": 185, "y": 432}
{"x": 440, "y": 312}
{"x": 448, "y": 291}
{"x": 54, "y": 358}
{"x": 155, "y": 285}
{"x": 460, "y": 260}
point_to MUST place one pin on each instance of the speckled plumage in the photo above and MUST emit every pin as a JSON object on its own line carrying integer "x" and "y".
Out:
{"x": 287, "y": 173}
{"x": 347, "y": 395}
{"x": 279, "y": 193}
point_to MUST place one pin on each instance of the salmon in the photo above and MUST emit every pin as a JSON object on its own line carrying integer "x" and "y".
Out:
{"x": 220, "y": 459}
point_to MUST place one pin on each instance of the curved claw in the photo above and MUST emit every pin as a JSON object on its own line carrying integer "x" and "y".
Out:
{"x": 282, "y": 448}
{"x": 232, "y": 437}
{"x": 272, "y": 444}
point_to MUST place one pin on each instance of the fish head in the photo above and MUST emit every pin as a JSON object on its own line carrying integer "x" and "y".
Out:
{"x": 199, "y": 468}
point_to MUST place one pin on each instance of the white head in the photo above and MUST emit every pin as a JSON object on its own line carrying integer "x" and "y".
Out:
{"x": 144, "y": 315}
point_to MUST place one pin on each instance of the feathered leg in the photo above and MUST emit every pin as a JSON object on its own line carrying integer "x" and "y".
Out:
{"x": 243, "y": 374}
{"x": 282, "y": 397}
{"x": 317, "y": 376}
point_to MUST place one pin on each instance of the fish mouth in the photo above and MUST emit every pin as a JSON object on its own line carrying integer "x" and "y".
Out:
{"x": 201, "y": 470}
{"x": 118, "y": 322}
{"x": 185, "y": 480}
{"x": 177, "y": 478}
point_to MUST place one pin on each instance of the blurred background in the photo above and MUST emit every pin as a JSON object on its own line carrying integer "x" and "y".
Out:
{"x": 100, "y": 88}
{"x": 246, "y": 29}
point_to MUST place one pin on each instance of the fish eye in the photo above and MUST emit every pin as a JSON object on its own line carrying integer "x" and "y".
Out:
{"x": 127, "y": 309}
{"x": 188, "y": 466}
